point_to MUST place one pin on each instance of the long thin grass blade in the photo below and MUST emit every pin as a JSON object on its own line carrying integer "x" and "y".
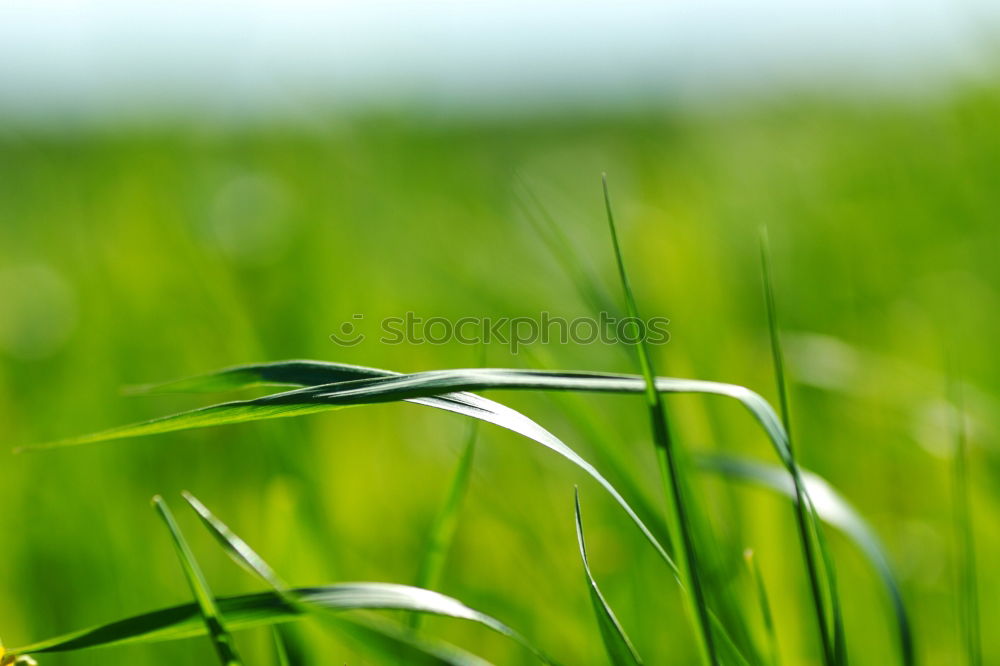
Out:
{"x": 619, "y": 647}
{"x": 268, "y": 608}
{"x": 967, "y": 577}
{"x": 832, "y": 650}
{"x": 683, "y": 530}
{"x": 835, "y": 510}
{"x": 237, "y": 549}
{"x": 393, "y": 642}
{"x": 280, "y": 650}
{"x": 442, "y": 532}
{"x": 443, "y": 389}
{"x": 221, "y": 640}
{"x": 760, "y": 589}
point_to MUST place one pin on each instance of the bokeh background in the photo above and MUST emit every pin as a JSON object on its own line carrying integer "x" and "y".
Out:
{"x": 183, "y": 189}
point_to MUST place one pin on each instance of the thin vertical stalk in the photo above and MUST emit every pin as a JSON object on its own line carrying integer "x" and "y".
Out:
{"x": 968, "y": 596}
{"x": 802, "y": 517}
{"x": 669, "y": 464}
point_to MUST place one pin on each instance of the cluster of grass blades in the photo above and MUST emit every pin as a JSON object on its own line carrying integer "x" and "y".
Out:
{"x": 685, "y": 543}
{"x": 216, "y": 617}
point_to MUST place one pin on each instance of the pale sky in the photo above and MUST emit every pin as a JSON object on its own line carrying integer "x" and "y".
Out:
{"x": 102, "y": 58}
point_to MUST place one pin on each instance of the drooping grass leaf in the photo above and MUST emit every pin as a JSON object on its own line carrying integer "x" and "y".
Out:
{"x": 267, "y": 608}
{"x": 672, "y": 470}
{"x": 442, "y": 532}
{"x": 394, "y": 643}
{"x": 967, "y": 579}
{"x": 443, "y": 389}
{"x": 833, "y": 509}
{"x": 616, "y": 642}
{"x": 760, "y": 589}
{"x": 213, "y": 622}
{"x": 807, "y": 527}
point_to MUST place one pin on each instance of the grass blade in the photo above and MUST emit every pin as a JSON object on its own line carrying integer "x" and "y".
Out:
{"x": 806, "y": 526}
{"x": 237, "y": 549}
{"x": 442, "y": 532}
{"x": 671, "y": 468}
{"x": 765, "y": 606}
{"x": 280, "y": 651}
{"x": 616, "y": 642}
{"x": 384, "y": 637}
{"x": 221, "y": 640}
{"x": 967, "y": 578}
{"x": 443, "y": 389}
{"x": 317, "y": 398}
{"x": 268, "y": 608}
{"x": 833, "y": 509}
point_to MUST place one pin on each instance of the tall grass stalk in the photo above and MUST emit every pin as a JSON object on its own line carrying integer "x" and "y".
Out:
{"x": 765, "y": 606}
{"x": 802, "y": 515}
{"x": 672, "y": 474}
{"x": 222, "y": 641}
{"x": 967, "y": 577}
{"x": 280, "y": 651}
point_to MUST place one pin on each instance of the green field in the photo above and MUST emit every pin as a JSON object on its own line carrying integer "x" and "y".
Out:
{"x": 137, "y": 255}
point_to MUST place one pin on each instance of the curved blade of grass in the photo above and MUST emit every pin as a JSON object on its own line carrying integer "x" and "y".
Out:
{"x": 313, "y": 373}
{"x": 682, "y": 530}
{"x": 448, "y": 390}
{"x": 806, "y": 527}
{"x": 619, "y": 647}
{"x": 394, "y": 642}
{"x": 765, "y": 606}
{"x": 833, "y": 509}
{"x": 221, "y": 640}
{"x": 442, "y": 532}
{"x": 267, "y": 608}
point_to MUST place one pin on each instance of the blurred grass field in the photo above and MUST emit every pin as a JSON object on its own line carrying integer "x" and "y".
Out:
{"x": 144, "y": 254}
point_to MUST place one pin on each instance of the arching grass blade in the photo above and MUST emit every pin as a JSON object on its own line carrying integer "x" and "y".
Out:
{"x": 616, "y": 642}
{"x": 221, "y": 640}
{"x": 267, "y": 608}
{"x": 449, "y": 390}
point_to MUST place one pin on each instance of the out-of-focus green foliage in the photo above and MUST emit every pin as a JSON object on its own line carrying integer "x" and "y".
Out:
{"x": 135, "y": 255}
